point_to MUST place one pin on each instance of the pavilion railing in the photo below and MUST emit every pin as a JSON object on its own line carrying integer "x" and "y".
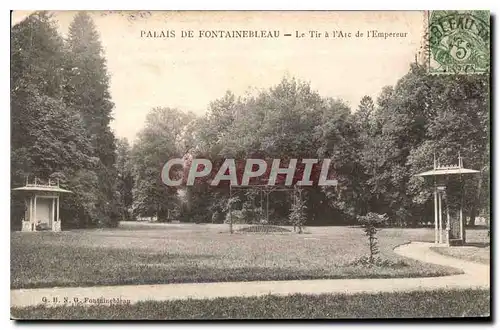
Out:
{"x": 37, "y": 182}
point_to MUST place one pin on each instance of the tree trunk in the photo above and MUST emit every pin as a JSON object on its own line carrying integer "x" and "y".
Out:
{"x": 472, "y": 216}
{"x": 371, "y": 249}
{"x": 230, "y": 222}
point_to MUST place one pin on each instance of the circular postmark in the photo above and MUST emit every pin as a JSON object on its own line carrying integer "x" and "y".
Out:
{"x": 459, "y": 42}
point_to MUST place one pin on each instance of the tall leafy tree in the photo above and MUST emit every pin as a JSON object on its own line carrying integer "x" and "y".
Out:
{"x": 36, "y": 53}
{"x": 87, "y": 91}
{"x": 156, "y": 144}
{"x": 125, "y": 177}
{"x": 422, "y": 116}
{"x": 459, "y": 125}
{"x": 49, "y": 139}
{"x": 364, "y": 116}
{"x": 339, "y": 141}
{"x": 400, "y": 126}
{"x": 283, "y": 122}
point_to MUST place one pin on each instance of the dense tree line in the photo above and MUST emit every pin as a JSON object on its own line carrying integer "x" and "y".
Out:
{"x": 61, "y": 110}
{"x": 376, "y": 149}
{"x": 60, "y": 115}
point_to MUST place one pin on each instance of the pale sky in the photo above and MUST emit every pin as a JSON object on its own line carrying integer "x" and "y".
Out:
{"x": 189, "y": 73}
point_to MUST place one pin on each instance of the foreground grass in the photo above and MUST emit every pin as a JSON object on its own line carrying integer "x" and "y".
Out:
{"x": 441, "y": 303}
{"x": 201, "y": 253}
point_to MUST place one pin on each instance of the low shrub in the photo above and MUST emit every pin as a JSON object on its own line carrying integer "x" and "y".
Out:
{"x": 371, "y": 223}
{"x": 264, "y": 229}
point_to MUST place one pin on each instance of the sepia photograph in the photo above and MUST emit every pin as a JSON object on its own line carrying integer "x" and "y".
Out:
{"x": 250, "y": 165}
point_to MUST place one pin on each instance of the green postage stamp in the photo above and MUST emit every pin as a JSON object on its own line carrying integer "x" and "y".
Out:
{"x": 459, "y": 41}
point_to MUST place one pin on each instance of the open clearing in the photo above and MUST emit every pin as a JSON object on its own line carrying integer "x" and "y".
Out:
{"x": 184, "y": 253}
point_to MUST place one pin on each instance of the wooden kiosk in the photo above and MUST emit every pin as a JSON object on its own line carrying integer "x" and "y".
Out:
{"x": 41, "y": 206}
{"x": 454, "y": 232}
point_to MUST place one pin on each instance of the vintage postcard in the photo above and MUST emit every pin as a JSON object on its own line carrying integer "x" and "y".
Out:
{"x": 221, "y": 165}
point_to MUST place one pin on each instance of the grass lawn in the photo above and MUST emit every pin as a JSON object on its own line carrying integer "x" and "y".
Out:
{"x": 442, "y": 303}
{"x": 146, "y": 254}
{"x": 472, "y": 253}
